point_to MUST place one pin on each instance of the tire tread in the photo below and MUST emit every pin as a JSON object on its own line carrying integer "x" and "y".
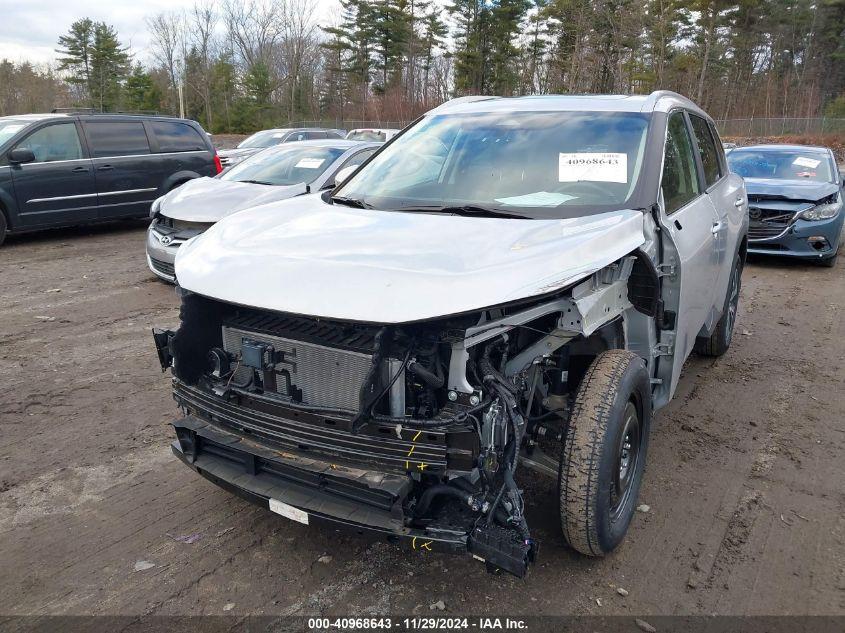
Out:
{"x": 581, "y": 457}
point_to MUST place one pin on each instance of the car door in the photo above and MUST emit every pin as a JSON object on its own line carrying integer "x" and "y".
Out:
{"x": 58, "y": 187}
{"x": 126, "y": 173}
{"x": 727, "y": 194}
{"x": 689, "y": 243}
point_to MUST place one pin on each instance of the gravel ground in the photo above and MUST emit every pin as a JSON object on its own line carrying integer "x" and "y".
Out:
{"x": 744, "y": 483}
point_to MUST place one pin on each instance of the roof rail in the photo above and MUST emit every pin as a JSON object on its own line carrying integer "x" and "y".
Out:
{"x": 97, "y": 112}
{"x": 73, "y": 111}
{"x": 467, "y": 99}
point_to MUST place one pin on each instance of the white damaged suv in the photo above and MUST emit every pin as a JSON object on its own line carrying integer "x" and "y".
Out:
{"x": 508, "y": 282}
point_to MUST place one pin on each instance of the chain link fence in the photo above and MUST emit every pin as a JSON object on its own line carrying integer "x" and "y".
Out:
{"x": 349, "y": 124}
{"x": 780, "y": 126}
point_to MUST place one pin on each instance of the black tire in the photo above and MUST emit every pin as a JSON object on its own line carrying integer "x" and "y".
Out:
{"x": 720, "y": 340}
{"x": 3, "y": 227}
{"x": 597, "y": 496}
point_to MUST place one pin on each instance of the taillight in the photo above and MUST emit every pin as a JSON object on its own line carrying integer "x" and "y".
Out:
{"x": 217, "y": 164}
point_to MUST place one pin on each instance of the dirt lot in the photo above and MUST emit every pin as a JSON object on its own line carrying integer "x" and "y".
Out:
{"x": 745, "y": 480}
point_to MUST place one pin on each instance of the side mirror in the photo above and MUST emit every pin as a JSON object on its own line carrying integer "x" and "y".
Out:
{"x": 344, "y": 173}
{"x": 21, "y": 155}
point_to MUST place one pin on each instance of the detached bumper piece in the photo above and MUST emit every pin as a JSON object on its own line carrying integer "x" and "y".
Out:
{"x": 318, "y": 492}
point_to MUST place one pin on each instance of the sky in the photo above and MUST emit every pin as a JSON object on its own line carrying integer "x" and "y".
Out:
{"x": 30, "y": 29}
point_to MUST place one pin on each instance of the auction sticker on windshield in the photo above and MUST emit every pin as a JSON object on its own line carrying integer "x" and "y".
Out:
{"x": 309, "y": 163}
{"x": 806, "y": 162}
{"x": 593, "y": 166}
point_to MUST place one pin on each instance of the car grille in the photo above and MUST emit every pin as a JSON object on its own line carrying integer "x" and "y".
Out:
{"x": 224, "y": 161}
{"x": 767, "y": 223}
{"x": 163, "y": 267}
{"x": 400, "y": 450}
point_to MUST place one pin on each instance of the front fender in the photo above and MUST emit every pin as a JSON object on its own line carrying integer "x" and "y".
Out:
{"x": 9, "y": 207}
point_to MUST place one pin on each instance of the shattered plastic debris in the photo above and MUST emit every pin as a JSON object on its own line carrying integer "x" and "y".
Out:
{"x": 186, "y": 538}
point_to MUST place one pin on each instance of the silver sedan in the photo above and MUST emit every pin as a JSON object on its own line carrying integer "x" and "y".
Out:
{"x": 274, "y": 174}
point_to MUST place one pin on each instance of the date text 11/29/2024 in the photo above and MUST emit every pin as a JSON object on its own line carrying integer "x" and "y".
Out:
{"x": 417, "y": 624}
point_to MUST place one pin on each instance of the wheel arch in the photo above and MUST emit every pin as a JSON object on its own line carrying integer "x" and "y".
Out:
{"x": 176, "y": 180}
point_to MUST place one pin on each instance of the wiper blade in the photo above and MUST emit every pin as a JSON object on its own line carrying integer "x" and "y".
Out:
{"x": 351, "y": 202}
{"x": 468, "y": 210}
{"x": 257, "y": 182}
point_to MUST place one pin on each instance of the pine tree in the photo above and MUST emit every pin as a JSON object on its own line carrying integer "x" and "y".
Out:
{"x": 97, "y": 62}
{"x": 75, "y": 54}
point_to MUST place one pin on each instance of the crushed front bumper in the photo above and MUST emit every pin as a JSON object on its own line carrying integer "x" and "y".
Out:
{"x": 803, "y": 239}
{"x": 320, "y": 493}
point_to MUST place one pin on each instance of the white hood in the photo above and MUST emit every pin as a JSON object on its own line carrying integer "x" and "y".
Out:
{"x": 304, "y": 256}
{"x": 211, "y": 199}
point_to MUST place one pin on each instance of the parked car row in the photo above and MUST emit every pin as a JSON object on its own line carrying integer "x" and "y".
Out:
{"x": 377, "y": 330}
{"x": 269, "y": 138}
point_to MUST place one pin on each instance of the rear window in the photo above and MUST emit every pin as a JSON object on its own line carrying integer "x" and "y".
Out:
{"x": 174, "y": 136}
{"x": 367, "y": 135}
{"x": 116, "y": 138}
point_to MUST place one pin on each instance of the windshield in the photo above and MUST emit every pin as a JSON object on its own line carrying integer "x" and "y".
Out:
{"x": 781, "y": 164}
{"x": 266, "y": 138}
{"x": 286, "y": 165}
{"x": 523, "y": 164}
{"x": 10, "y": 127}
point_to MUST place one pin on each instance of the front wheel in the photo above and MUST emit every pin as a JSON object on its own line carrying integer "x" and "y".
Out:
{"x": 720, "y": 340}
{"x": 604, "y": 452}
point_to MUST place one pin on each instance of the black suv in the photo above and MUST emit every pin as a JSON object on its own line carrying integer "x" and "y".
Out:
{"x": 68, "y": 169}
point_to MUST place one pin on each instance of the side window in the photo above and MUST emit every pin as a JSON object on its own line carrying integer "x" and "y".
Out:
{"x": 350, "y": 165}
{"x": 116, "y": 138}
{"x": 316, "y": 135}
{"x": 358, "y": 159}
{"x": 680, "y": 180}
{"x": 707, "y": 149}
{"x": 177, "y": 137}
{"x": 54, "y": 142}
{"x": 297, "y": 136}
{"x": 720, "y": 150}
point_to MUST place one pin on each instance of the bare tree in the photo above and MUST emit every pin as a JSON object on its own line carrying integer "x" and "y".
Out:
{"x": 167, "y": 46}
{"x": 202, "y": 21}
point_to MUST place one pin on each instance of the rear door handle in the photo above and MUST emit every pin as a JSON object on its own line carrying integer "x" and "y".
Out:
{"x": 718, "y": 226}
{"x": 739, "y": 202}
{"x": 105, "y": 168}
{"x": 79, "y": 170}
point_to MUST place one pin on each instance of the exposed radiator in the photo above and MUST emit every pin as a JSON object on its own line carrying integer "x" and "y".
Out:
{"x": 326, "y": 376}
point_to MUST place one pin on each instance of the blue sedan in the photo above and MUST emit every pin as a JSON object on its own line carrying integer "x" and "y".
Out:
{"x": 795, "y": 200}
